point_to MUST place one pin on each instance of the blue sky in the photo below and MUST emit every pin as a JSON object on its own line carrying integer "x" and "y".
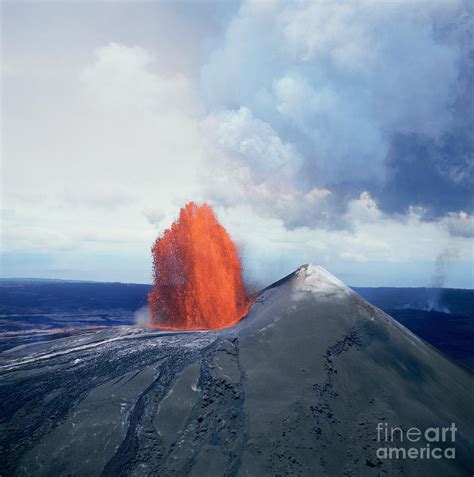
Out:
{"x": 335, "y": 133}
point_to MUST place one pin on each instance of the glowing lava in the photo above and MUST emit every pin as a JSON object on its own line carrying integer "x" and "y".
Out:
{"x": 197, "y": 274}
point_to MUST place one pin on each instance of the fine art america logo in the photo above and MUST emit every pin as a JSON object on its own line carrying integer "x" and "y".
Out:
{"x": 416, "y": 443}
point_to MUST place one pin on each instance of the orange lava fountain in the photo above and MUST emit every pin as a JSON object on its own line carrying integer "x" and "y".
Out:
{"x": 197, "y": 274}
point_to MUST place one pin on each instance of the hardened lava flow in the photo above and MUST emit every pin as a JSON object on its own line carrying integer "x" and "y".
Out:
{"x": 197, "y": 274}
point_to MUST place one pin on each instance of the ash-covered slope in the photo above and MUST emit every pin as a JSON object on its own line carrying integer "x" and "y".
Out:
{"x": 323, "y": 368}
{"x": 297, "y": 388}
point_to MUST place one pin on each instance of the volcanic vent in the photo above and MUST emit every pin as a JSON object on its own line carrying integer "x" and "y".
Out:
{"x": 197, "y": 274}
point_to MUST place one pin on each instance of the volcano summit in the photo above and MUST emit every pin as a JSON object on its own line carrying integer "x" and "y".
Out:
{"x": 306, "y": 384}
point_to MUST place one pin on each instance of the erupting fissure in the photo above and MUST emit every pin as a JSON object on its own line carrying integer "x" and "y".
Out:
{"x": 197, "y": 274}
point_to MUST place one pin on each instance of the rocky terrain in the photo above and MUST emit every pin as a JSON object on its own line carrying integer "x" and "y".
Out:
{"x": 296, "y": 388}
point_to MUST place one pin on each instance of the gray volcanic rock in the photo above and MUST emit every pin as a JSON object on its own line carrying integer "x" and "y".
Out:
{"x": 296, "y": 388}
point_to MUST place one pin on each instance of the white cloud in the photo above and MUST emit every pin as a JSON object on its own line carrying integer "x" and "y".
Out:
{"x": 122, "y": 77}
{"x": 337, "y": 80}
{"x": 238, "y": 132}
{"x": 364, "y": 209}
{"x": 385, "y": 48}
{"x": 460, "y": 224}
{"x": 270, "y": 250}
{"x": 250, "y": 164}
{"x": 124, "y": 140}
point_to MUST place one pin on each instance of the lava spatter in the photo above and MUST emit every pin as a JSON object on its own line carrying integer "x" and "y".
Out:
{"x": 197, "y": 274}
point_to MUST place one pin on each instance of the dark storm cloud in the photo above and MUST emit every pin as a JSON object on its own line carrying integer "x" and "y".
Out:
{"x": 421, "y": 173}
{"x": 438, "y": 173}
